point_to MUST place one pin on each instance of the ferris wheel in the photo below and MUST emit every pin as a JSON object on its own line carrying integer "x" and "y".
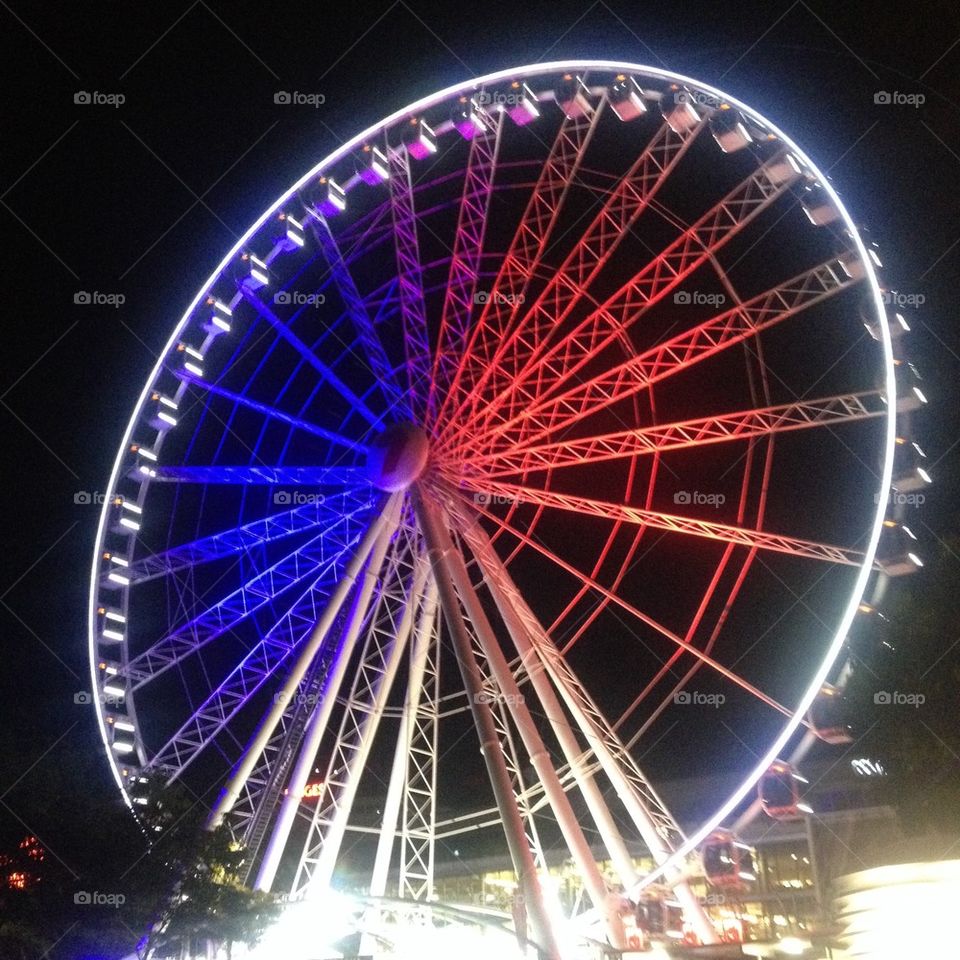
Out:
{"x": 540, "y": 415}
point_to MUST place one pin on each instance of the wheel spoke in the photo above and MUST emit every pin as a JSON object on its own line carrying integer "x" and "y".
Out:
{"x": 245, "y": 538}
{"x": 526, "y": 248}
{"x": 416, "y": 336}
{"x": 623, "y": 604}
{"x": 357, "y": 310}
{"x": 742, "y": 425}
{"x": 557, "y": 412}
{"x": 261, "y": 662}
{"x": 326, "y": 372}
{"x": 458, "y": 301}
{"x": 368, "y": 557}
{"x": 292, "y": 476}
{"x": 725, "y": 533}
{"x": 559, "y": 359}
{"x": 256, "y": 593}
{"x": 269, "y": 411}
{"x": 571, "y": 281}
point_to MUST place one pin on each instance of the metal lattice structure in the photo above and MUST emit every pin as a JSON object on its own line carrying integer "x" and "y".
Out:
{"x": 477, "y": 436}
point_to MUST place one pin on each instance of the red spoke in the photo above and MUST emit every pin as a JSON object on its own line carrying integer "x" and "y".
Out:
{"x": 620, "y": 211}
{"x": 637, "y": 613}
{"x": 526, "y": 248}
{"x": 714, "y": 335}
{"x": 741, "y": 425}
{"x": 557, "y": 361}
{"x": 458, "y": 301}
{"x": 707, "y": 529}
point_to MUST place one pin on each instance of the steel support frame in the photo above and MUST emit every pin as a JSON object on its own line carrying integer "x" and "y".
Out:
{"x": 649, "y": 814}
{"x": 379, "y": 532}
{"x": 413, "y": 781}
{"x": 387, "y": 634}
{"x": 520, "y": 853}
{"x": 506, "y": 694}
{"x": 559, "y": 360}
{"x": 320, "y": 716}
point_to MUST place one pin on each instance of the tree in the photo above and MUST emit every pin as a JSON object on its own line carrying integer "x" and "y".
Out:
{"x": 196, "y": 881}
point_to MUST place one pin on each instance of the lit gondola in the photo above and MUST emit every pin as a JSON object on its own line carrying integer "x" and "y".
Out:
{"x": 727, "y": 862}
{"x": 779, "y": 792}
{"x": 829, "y": 716}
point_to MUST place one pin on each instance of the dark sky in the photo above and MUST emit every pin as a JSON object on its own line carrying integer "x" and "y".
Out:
{"x": 142, "y": 199}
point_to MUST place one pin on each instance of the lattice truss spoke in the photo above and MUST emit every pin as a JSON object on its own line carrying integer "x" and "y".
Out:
{"x": 708, "y": 529}
{"x": 741, "y": 425}
{"x": 569, "y": 352}
{"x": 416, "y": 334}
{"x": 552, "y": 415}
{"x": 389, "y": 628}
{"x": 261, "y": 663}
{"x": 460, "y": 298}
{"x": 521, "y": 260}
{"x": 389, "y": 402}
{"x": 571, "y": 281}
{"x": 321, "y": 552}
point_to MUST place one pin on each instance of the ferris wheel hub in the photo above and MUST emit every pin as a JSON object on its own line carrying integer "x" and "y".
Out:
{"x": 397, "y": 457}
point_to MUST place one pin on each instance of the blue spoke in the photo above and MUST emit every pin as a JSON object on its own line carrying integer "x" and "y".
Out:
{"x": 274, "y": 413}
{"x": 355, "y": 402}
{"x": 294, "y": 476}
{"x": 244, "y": 538}
{"x": 263, "y": 589}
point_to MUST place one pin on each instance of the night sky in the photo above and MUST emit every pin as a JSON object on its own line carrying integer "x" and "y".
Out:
{"x": 140, "y": 201}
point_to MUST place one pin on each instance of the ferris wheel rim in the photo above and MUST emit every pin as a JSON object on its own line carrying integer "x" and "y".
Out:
{"x": 836, "y": 644}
